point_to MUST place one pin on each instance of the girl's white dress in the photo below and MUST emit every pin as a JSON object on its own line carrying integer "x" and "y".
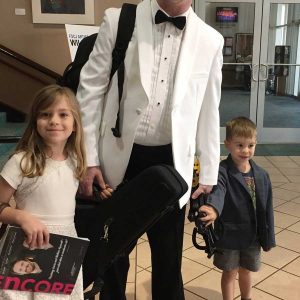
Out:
{"x": 51, "y": 198}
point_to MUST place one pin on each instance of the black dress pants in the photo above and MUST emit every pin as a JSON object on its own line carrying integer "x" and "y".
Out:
{"x": 165, "y": 239}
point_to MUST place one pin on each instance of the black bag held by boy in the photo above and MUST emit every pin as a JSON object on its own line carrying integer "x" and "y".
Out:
{"x": 207, "y": 232}
{"x": 116, "y": 223}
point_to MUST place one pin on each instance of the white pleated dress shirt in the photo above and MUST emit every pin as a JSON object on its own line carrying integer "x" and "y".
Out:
{"x": 154, "y": 128}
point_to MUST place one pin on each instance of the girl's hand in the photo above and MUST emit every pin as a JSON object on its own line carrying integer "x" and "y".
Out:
{"x": 107, "y": 192}
{"x": 37, "y": 234}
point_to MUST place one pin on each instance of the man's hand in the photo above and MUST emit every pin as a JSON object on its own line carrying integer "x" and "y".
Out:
{"x": 211, "y": 213}
{"x": 206, "y": 189}
{"x": 86, "y": 185}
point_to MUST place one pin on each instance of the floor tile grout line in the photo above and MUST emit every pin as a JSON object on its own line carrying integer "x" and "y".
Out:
{"x": 136, "y": 272}
{"x": 210, "y": 269}
{"x": 195, "y": 294}
{"x": 267, "y": 277}
{"x": 290, "y": 273}
{"x": 293, "y": 260}
{"x": 289, "y": 229}
{"x": 285, "y": 201}
{"x": 281, "y": 268}
{"x": 194, "y": 261}
{"x": 144, "y": 268}
{"x": 286, "y": 214}
{"x": 293, "y": 198}
{"x": 297, "y": 163}
{"x": 276, "y": 168}
{"x": 279, "y": 228}
{"x": 292, "y": 250}
{"x": 268, "y": 293}
{"x": 293, "y": 225}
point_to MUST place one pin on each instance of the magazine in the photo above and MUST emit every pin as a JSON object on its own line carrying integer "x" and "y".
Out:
{"x": 53, "y": 269}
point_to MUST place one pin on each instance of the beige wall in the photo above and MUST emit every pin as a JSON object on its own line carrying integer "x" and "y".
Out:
{"x": 45, "y": 44}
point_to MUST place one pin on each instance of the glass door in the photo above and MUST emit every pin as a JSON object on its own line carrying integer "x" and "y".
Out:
{"x": 240, "y": 24}
{"x": 278, "y": 114}
{"x": 261, "y": 69}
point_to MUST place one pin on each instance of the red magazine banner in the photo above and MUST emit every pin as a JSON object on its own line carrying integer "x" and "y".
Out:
{"x": 53, "y": 269}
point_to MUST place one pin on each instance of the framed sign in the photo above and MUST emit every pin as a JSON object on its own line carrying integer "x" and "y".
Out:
{"x": 244, "y": 45}
{"x": 282, "y": 56}
{"x": 63, "y": 11}
{"x": 228, "y": 41}
{"x": 227, "y": 51}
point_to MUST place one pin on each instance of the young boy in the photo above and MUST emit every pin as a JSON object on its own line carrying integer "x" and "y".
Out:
{"x": 247, "y": 222}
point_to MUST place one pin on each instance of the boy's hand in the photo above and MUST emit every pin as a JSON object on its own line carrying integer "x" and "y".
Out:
{"x": 210, "y": 212}
{"x": 37, "y": 234}
{"x": 267, "y": 249}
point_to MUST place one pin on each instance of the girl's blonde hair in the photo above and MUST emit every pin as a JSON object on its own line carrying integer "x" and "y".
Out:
{"x": 34, "y": 160}
{"x": 240, "y": 126}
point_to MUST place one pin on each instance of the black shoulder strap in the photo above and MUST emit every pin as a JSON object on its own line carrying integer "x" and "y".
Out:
{"x": 124, "y": 34}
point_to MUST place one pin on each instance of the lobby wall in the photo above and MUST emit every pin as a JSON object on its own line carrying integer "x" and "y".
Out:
{"x": 45, "y": 44}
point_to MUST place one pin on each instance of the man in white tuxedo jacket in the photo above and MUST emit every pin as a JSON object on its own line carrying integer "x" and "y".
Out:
{"x": 168, "y": 114}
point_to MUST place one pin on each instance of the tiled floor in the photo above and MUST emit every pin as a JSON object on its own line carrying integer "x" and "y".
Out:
{"x": 279, "y": 277}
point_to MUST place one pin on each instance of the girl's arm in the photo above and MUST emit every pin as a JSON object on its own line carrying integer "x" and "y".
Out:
{"x": 36, "y": 232}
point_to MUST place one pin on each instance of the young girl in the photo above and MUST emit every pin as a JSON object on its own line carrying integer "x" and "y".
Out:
{"x": 43, "y": 176}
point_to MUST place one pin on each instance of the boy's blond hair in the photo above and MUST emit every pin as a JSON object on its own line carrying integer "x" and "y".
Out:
{"x": 241, "y": 127}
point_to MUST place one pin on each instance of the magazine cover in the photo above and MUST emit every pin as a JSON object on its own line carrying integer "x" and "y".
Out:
{"x": 53, "y": 269}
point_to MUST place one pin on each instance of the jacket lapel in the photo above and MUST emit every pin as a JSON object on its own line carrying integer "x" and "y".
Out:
{"x": 259, "y": 182}
{"x": 237, "y": 174}
{"x": 186, "y": 57}
{"x": 145, "y": 43}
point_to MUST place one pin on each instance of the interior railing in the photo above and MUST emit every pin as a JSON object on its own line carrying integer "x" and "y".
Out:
{"x": 28, "y": 62}
{"x": 7, "y": 146}
{"x": 7, "y": 140}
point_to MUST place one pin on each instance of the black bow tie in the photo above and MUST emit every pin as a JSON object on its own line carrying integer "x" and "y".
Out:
{"x": 161, "y": 17}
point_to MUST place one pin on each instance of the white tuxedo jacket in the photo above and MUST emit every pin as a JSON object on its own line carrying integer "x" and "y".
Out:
{"x": 195, "y": 103}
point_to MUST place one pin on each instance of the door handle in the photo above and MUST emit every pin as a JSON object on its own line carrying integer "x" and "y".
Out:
{"x": 253, "y": 68}
{"x": 264, "y": 66}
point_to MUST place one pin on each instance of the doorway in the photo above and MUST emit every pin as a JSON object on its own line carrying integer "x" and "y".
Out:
{"x": 261, "y": 64}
